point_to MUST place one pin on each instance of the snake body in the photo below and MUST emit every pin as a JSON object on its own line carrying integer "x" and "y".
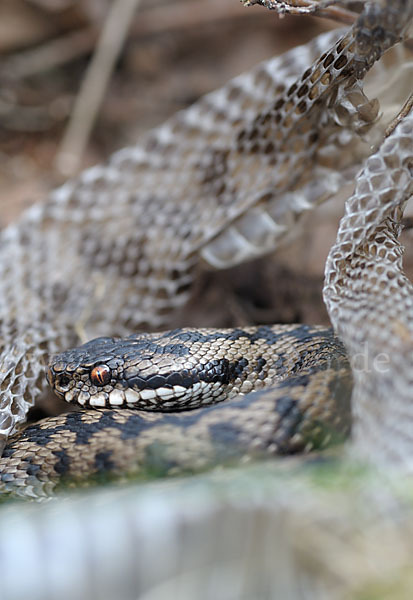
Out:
{"x": 219, "y": 183}
{"x": 306, "y": 405}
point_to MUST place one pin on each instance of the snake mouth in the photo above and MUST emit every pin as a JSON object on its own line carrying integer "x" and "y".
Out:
{"x": 165, "y": 399}
{"x": 155, "y": 394}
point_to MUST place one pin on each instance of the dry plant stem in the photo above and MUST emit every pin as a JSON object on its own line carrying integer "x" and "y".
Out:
{"x": 94, "y": 85}
{"x": 183, "y": 15}
{"x": 50, "y": 55}
{"x": 152, "y": 21}
{"x": 404, "y": 111}
{"x": 308, "y": 7}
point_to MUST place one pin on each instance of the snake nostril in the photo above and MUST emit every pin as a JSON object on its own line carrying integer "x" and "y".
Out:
{"x": 63, "y": 383}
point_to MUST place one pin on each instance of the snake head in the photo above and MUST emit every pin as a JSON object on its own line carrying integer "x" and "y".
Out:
{"x": 72, "y": 372}
{"x": 162, "y": 371}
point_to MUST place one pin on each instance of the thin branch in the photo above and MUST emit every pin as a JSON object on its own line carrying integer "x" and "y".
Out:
{"x": 184, "y": 14}
{"x": 325, "y": 9}
{"x": 94, "y": 85}
{"x": 404, "y": 111}
{"x": 50, "y": 55}
{"x": 152, "y": 20}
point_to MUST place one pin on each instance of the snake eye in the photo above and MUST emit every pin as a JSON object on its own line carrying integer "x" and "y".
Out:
{"x": 100, "y": 375}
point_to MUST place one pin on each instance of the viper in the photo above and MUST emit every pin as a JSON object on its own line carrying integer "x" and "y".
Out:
{"x": 219, "y": 183}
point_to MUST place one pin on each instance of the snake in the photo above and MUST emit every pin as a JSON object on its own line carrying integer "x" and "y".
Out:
{"x": 218, "y": 184}
{"x": 308, "y": 408}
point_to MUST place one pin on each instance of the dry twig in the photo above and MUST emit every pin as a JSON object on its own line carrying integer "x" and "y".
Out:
{"x": 318, "y": 8}
{"x": 94, "y": 85}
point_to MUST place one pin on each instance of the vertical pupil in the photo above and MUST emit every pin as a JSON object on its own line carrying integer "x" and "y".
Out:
{"x": 100, "y": 375}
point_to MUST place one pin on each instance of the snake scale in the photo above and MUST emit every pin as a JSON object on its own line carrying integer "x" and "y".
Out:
{"x": 220, "y": 183}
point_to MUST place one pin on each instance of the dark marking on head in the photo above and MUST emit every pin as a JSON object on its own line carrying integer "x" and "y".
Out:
{"x": 215, "y": 371}
{"x": 174, "y": 379}
{"x": 175, "y": 349}
{"x": 154, "y": 381}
